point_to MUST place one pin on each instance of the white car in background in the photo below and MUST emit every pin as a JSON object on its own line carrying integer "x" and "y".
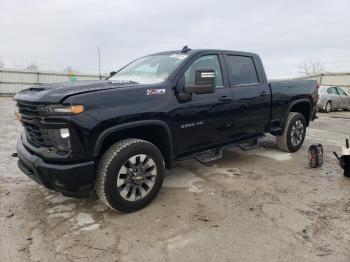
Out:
{"x": 333, "y": 98}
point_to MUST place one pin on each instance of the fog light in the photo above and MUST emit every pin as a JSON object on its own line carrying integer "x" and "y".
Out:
{"x": 60, "y": 138}
{"x": 64, "y": 132}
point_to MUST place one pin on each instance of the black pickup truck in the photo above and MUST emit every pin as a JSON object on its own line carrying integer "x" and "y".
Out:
{"x": 117, "y": 136}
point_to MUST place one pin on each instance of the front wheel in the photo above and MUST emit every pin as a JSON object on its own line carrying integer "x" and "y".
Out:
{"x": 130, "y": 175}
{"x": 294, "y": 133}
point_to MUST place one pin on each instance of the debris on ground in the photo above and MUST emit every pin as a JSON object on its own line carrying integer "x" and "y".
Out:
{"x": 323, "y": 251}
{"x": 10, "y": 214}
{"x": 233, "y": 172}
{"x": 201, "y": 218}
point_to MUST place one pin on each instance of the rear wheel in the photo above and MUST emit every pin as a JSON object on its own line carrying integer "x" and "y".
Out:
{"x": 294, "y": 133}
{"x": 328, "y": 107}
{"x": 130, "y": 175}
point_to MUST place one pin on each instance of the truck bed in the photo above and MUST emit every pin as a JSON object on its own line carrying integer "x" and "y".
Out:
{"x": 284, "y": 92}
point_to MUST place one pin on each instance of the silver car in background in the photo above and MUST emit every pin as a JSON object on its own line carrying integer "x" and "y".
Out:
{"x": 332, "y": 98}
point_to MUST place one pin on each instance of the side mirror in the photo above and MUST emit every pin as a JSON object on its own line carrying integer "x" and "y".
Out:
{"x": 112, "y": 73}
{"x": 204, "y": 82}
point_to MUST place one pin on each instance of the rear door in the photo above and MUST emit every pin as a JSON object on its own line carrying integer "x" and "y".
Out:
{"x": 252, "y": 96}
{"x": 344, "y": 99}
{"x": 334, "y": 97}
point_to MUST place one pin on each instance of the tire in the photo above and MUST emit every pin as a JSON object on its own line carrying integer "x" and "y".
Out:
{"x": 294, "y": 133}
{"x": 328, "y": 107}
{"x": 130, "y": 165}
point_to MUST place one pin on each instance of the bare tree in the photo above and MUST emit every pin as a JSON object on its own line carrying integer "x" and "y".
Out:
{"x": 311, "y": 67}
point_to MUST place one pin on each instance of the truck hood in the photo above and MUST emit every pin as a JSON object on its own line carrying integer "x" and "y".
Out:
{"x": 55, "y": 93}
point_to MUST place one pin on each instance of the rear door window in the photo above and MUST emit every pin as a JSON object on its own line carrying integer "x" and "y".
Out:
{"x": 341, "y": 92}
{"x": 242, "y": 70}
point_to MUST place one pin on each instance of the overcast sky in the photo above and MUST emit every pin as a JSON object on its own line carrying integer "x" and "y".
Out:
{"x": 56, "y": 34}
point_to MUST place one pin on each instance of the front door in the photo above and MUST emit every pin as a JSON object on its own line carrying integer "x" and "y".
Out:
{"x": 204, "y": 120}
{"x": 252, "y": 97}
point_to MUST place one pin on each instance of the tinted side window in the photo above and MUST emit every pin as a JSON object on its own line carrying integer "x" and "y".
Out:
{"x": 332, "y": 91}
{"x": 242, "y": 70}
{"x": 207, "y": 61}
{"x": 341, "y": 92}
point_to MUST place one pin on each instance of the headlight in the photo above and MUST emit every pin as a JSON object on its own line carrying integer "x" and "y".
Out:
{"x": 60, "y": 109}
{"x": 60, "y": 138}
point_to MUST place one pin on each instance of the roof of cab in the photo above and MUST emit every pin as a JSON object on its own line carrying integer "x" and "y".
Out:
{"x": 196, "y": 51}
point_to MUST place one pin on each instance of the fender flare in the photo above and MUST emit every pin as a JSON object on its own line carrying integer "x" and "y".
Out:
{"x": 297, "y": 102}
{"x": 114, "y": 129}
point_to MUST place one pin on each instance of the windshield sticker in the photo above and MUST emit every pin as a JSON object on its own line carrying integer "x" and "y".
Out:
{"x": 151, "y": 92}
{"x": 179, "y": 56}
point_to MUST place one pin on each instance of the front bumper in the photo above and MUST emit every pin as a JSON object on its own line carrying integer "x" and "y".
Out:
{"x": 73, "y": 180}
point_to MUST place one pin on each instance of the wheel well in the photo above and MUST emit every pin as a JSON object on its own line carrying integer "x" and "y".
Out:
{"x": 154, "y": 134}
{"x": 302, "y": 108}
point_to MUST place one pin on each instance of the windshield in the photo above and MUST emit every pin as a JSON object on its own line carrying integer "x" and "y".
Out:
{"x": 152, "y": 69}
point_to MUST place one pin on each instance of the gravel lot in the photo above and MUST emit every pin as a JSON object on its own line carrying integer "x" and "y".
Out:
{"x": 260, "y": 205}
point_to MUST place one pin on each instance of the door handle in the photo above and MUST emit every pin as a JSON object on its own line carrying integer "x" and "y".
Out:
{"x": 225, "y": 99}
{"x": 263, "y": 93}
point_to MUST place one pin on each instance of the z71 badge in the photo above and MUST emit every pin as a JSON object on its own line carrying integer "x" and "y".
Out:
{"x": 151, "y": 92}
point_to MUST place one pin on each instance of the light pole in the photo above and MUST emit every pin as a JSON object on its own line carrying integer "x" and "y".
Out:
{"x": 99, "y": 62}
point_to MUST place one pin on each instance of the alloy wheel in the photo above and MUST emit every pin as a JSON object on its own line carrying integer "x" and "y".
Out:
{"x": 297, "y": 133}
{"x": 136, "y": 177}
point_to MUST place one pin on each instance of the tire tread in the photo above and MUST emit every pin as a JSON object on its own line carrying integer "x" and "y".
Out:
{"x": 105, "y": 162}
{"x": 281, "y": 141}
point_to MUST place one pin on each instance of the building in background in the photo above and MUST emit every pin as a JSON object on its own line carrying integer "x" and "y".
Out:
{"x": 332, "y": 79}
{"x": 14, "y": 80}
